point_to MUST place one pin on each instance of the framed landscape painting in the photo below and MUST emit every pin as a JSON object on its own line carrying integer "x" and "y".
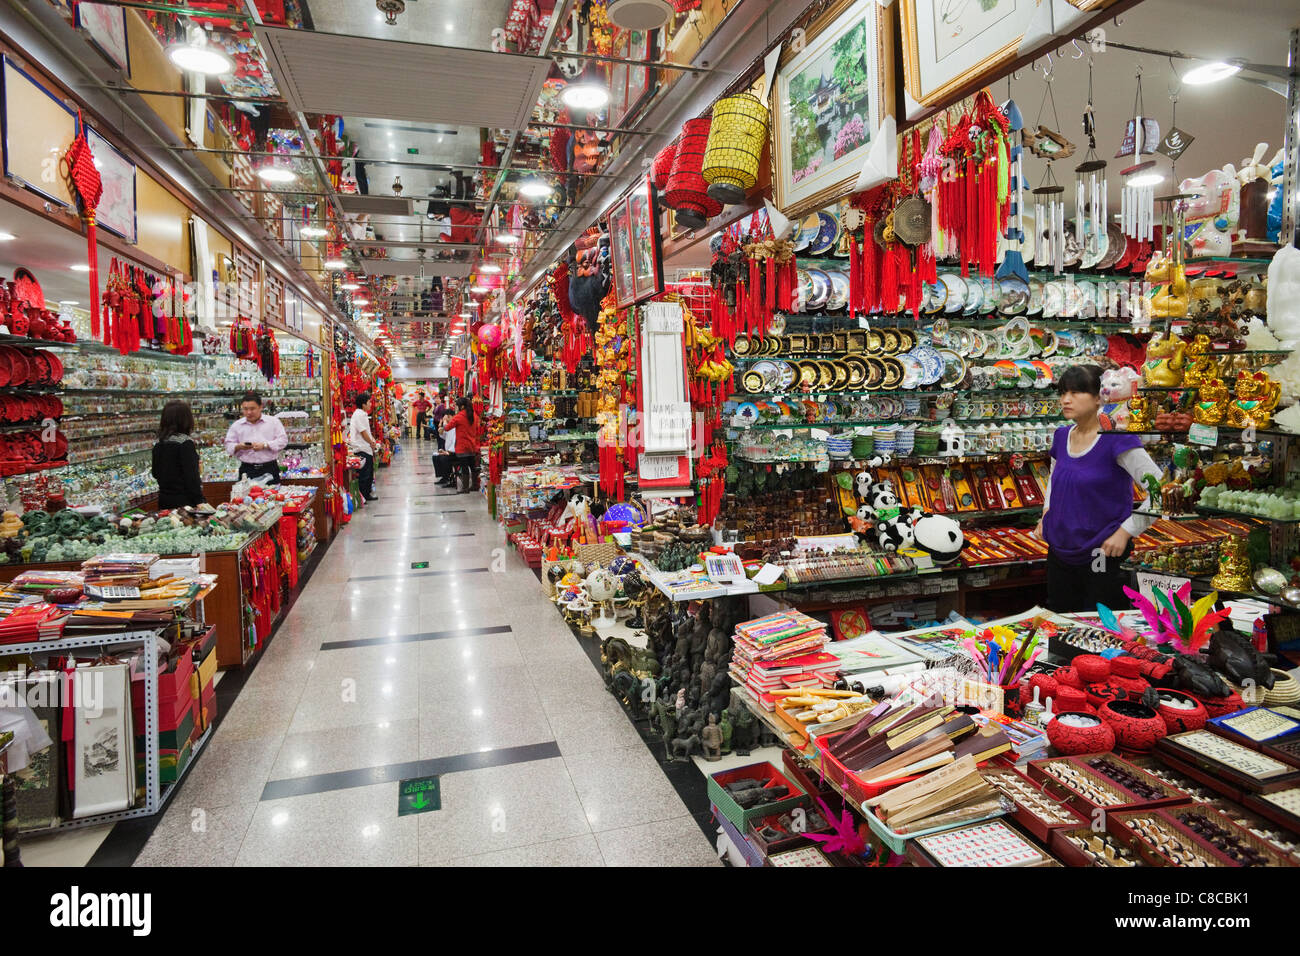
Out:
{"x": 620, "y": 249}
{"x": 828, "y": 100}
{"x": 647, "y": 269}
{"x": 950, "y": 44}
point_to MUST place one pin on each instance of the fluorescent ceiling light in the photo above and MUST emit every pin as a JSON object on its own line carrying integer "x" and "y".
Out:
{"x": 480, "y": 289}
{"x": 276, "y": 174}
{"x": 79, "y": 267}
{"x": 1211, "y": 72}
{"x": 7, "y": 237}
{"x": 1145, "y": 179}
{"x": 489, "y": 267}
{"x": 335, "y": 264}
{"x": 467, "y": 315}
{"x": 360, "y": 301}
{"x": 69, "y": 302}
{"x": 313, "y": 232}
{"x": 350, "y": 286}
{"x": 585, "y": 96}
{"x": 508, "y": 238}
{"x": 534, "y": 189}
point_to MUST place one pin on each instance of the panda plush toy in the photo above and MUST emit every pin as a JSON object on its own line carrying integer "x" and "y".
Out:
{"x": 862, "y": 482}
{"x": 938, "y": 536}
{"x": 895, "y": 533}
{"x": 881, "y": 498}
{"x": 863, "y": 523}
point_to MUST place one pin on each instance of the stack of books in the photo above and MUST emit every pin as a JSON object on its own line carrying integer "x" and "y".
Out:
{"x": 781, "y": 651}
{"x": 32, "y": 622}
{"x": 119, "y": 569}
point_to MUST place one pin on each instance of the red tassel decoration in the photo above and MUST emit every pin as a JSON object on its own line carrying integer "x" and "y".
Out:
{"x": 769, "y": 293}
{"x": 855, "y": 277}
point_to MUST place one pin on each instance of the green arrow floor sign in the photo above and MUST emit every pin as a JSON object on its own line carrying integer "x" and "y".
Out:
{"x": 419, "y": 795}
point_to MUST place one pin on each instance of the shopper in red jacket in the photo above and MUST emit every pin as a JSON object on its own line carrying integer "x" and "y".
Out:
{"x": 467, "y": 426}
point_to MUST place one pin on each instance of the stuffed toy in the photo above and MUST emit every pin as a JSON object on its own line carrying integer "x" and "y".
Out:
{"x": 1284, "y": 296}
{"x": 895, "y": 533}
{"x": 938, "y": 536}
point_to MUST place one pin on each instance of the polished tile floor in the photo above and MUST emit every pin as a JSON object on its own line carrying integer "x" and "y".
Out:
{"x": 382, "y": 671}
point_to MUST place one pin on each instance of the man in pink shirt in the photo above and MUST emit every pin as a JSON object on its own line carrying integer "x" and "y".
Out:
{"x": 256, "y": 440}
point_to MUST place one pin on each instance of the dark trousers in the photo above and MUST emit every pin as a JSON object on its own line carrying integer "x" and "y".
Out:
{"x": 366, "y": 477}
{"x": 467, "y": 469}
{"x": 419, "y": 424}
{"x": 271, "y": 468}
{"x": 1078, "y": 587}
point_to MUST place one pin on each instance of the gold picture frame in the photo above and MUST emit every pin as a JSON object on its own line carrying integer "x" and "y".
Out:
{"x": 804, "y": 116}
{"x": 951, "y": 64}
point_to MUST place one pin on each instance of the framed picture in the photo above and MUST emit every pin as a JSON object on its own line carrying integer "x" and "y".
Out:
{"x": 116, "y": 209}
{"x": 647, "y": 263}
{"x": 630, "y": 85}
{"x": 38, "y": 129}
{"x": 952, "y": 44}
{"x": 620, "y": 245}
{"x": 828, "y": 100}
{"x": 106, "y": 27}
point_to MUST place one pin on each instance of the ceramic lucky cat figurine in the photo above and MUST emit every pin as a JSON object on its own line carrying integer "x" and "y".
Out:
{"x": 1173, "y": 298}
{"x": 1165, "y": 361}
{"x": 1216, "y": 206}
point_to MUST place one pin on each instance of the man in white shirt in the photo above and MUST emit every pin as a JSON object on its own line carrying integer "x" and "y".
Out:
{"x": 363, "y": 444}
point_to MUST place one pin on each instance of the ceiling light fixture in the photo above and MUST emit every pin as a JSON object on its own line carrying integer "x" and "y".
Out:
{"x": 276, "y": 174}
{"x": 361, "y": 302}
{"x": 489, "y": 267}
{"x": 507, "y": 238}
{"x": 535, "y": 189}
{"x": 350, "y": 286}
{"x": 585, "y": 95}
{"x": 1212, "y": 72}
{"x": 477, "y": 290}
{"x": 1142, "y": 180}
{"x": 334, "y": 264}
{"x": 313, "y": 232}
{"x": 7, "y": 237}
{"x": 79, "y": 267}
{"x": 196, "y": 55}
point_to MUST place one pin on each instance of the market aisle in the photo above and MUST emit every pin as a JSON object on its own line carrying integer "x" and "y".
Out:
{"x": 383, "y": 672}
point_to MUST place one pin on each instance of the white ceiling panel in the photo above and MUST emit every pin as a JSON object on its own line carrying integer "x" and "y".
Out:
{"x": 335, "y": 73}
{"x": 414, "y": 267}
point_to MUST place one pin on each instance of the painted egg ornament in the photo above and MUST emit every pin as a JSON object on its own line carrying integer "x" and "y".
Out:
{"x": 489, "y": 336}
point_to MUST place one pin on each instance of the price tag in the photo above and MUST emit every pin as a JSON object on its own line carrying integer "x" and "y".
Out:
{"x": 864, "y": 322}
{"x": 658, "y": 467}
{"x": 1199, "y": 434}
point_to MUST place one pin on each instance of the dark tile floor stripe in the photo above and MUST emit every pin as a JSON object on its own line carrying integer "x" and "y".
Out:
{"x": 403, "y": 514}
{"x": 419, "y": 537}
{"x": 390, "y": 773}
{"x": 418, "y": 574}
{"x": 416, "y": 638}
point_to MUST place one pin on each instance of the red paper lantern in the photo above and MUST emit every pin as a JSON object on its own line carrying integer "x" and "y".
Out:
{"x": 662, "y": 167}
{"x": 686, "y": 190}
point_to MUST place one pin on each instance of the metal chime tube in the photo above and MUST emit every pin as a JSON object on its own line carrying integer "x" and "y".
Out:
{"x": 1059, "y": 256}
{"x": 1080, "y": 207}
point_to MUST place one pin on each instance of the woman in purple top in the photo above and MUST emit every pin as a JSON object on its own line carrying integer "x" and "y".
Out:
{"x": 1088, "y": 519}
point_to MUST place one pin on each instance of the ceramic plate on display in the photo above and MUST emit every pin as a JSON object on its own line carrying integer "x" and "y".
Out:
{"x": 931, "y": 363}
{"x": 1087, "y": 300}
{"x": 906, "y": 340}
{"x": 807, "y": 374}
{"x": 821, "y": 289}
{"x": 771, "y": 377}
{"x": 954, "y": 369}
{"x": 875, "y": 342}
{"x": 1073, "y": 300}
{"x": 1013, "y": 296}
{"x": 1070, "y": 346}
{"x": 839, "y": 291}
{"x": 789, "y": 375}
{"x": 988, "y": 295}
{"x": 1095, "y": 247}
{"x": 825, "y": 375}
{"x": 842, "y": 375}
{"x": 933, "y": 296}
{"x": 1045, "y": 376}
{"x": 742, "y": 347}
{"x": 805, "y": 291}
{"x": 752, "y": 381}
{"x": 858, "y": 372}
{"x": 808, "y": 229}
{"x": 1044, "y": 341}
{"x": 828, "y": 231}
{"x": 1053, "y": 299}
{"x": 1035, "y": 297}
{"x": 875, "y": 373}
{"x": 777, "y": 327}
{"x": 889, "y": 341}
{"x": 893, "y": 372}
{"x": 913, "y": 373}
{"x": 974, "y": 296}
{"x": 1115, "y": 244}
{"x": 1073, "y": 249}
{"x": 956, "y": 289}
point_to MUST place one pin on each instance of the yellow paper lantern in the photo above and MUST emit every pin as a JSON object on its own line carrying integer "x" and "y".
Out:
{"x": 735, "y": 147}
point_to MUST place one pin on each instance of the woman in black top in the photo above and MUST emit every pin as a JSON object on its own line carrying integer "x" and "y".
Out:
{"x": 176, "y": 460}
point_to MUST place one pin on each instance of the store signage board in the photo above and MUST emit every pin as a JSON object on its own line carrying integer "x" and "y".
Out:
{"x": 419, "y": 565}
{"x": 658, "y": 466}
{"x": 419, "y": 795}
{"x": 1148, "y": 582}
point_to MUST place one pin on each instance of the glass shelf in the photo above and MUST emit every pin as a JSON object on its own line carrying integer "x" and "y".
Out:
{"x": 906, "y": 421}
{"x": 1220, "y": 513}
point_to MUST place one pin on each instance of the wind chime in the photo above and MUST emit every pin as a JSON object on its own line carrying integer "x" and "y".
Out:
{"x": 1049, "y": 196}
{"x": 1013, "y": 261}
{"x": 1137, "y": 199}
{"x": 1090, "y": 205}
